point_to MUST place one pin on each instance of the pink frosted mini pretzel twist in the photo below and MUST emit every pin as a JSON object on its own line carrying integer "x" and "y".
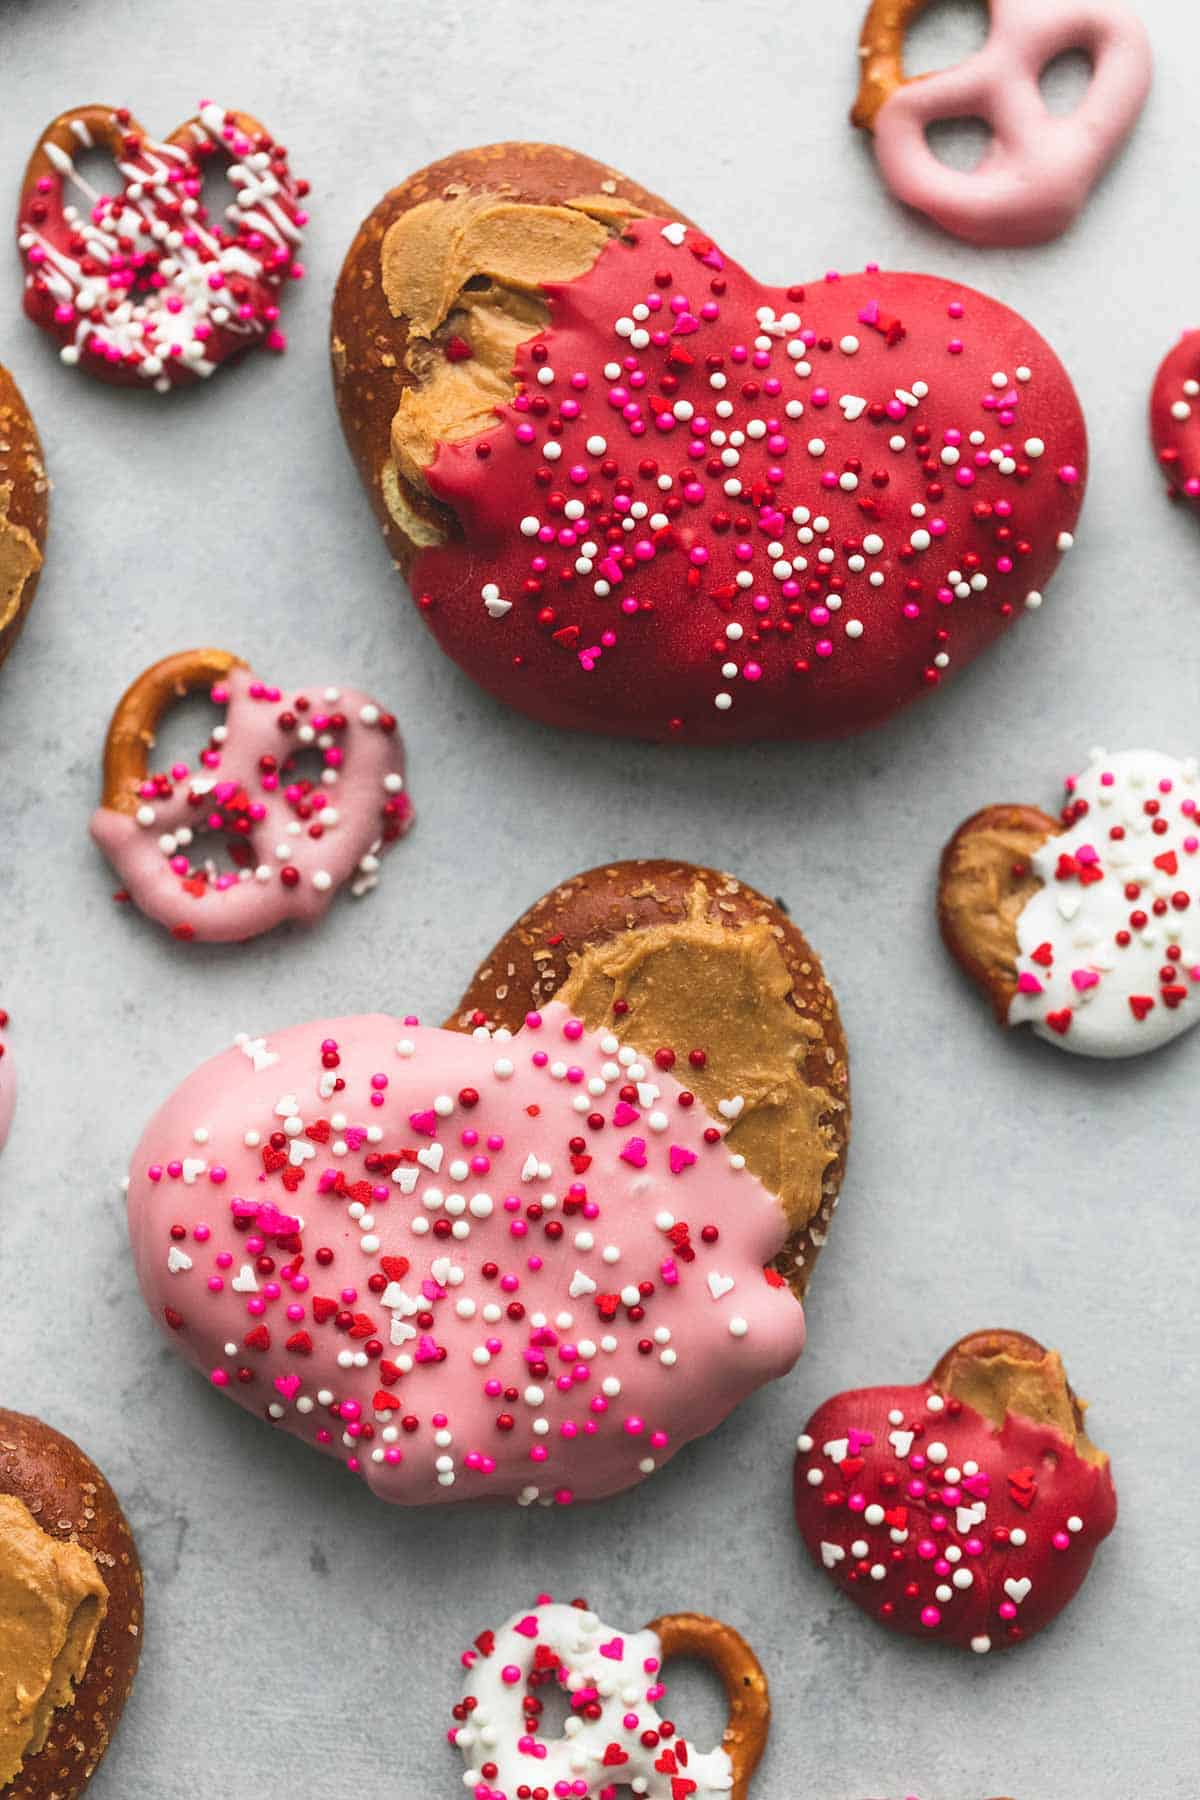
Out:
{"x": 142, "y": 288}
{"x": 293, "y": 841}
{"x": 1041, "y": 166}
{"x": 382, "y": 1239}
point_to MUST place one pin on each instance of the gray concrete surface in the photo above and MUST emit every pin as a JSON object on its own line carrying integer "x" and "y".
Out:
{"x": 301, "y": 1638}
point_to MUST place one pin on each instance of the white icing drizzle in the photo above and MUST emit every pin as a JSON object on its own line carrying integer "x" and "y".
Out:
{"x": 620, "y": 1671}
{"x": 1110, "y": 944}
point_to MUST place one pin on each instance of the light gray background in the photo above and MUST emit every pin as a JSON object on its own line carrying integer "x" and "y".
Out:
{"x": 301, "y": 1637}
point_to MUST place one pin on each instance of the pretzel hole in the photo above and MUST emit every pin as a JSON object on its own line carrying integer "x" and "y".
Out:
{"x": 218, "y": 196}
{"x": 98, "y": 174}
{"x": 184, "y": 731}
{"x": 696, "y": 1694}
{"x": 945, "y": 34}
{"x": 556, "y": 1710}
{"x": 959, "y": 144}
{"x": 1065, "y": 80}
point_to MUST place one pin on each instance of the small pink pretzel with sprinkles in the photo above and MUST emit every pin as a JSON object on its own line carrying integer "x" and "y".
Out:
{"x": 615, "y": 1741}
{"x": 294, "y": 841}
{"x": 1041, "y": 166}
{"x": 142, "y": 288}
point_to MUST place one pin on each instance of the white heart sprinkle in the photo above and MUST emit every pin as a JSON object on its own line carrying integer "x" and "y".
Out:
{"x": 406, "y": 1176}
{"x": 1017, "y": 1590}
{"x": 178, "y": 1261}
{"x": 245, "y": 1281}
{"x": 431, "y": 1157}
{"x": 731, "y": 1109}
{"x": 968, "y": 1516}
{"x": 832, "y": 1555}
{"x": 192, "y": 1167}
{"x": 719, "y": 1285}
{"x": 853, "y": 407}
{"x": 837, "y": 1449}
{"x": 581, "y": 1285}
{"x": 497, "y": 608}
{"x": 674, "y": 233}
{"x": 286, "y": 1105}
{"x": 901, "y": 1442}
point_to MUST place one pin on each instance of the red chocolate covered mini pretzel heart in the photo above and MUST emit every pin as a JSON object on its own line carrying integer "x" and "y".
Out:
{"x": 1175, "y": 417}
{"x": 965, "y": 1510}
{"x": 143, "y": 288}
{"x": 293, "y": 840}
{"x": 635, "y": 491}
{"x": 480, "y": 1264}
{"x": 614, "y": 1682}
{"x": 1041, "y": 166}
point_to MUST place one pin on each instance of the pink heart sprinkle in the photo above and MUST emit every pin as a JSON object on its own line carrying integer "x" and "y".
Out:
{"x": 624, "y": 1114}
{"x": 614, "y": 1650}
{"x": 288, "y": 1385}
{"x": 680, "y": 1159}
{"x": 635, "y": 1152}
{"x": 527, "y": 1627}
{"x": 1028, "y": 983}
{"x": 859, "y": 1440}
{"x": 669, "y": 1272}
{"x": 869, "y": 314}
{"x": 1087, "y": 853}
{"x": 685, "y": 324}
{"x": 424, "y": 1122}
{"x": 978, "y": 1486}
{"x": 427, "y": 1350}
{"x": 355, "y": 1136}
{"x": 1082, "y": 979}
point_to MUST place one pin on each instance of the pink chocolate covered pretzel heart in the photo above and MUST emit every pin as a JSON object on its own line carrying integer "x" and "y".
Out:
{"x": 142, "y": 288}
{"x": 293, "y": 840}
{"x": 384, "y": 1239}
{"x": 1041, "y": 166}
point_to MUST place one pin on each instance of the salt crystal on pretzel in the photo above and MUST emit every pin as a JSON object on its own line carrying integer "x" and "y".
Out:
{"x": 294, "y": 842}
{"x": 1041, "y": 166}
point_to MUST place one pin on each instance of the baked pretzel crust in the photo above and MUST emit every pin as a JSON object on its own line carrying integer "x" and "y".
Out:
{"x": 985, "y": 881}
{"x": 727, "y": 1652}
{"x": 24, "y": 494}
{"x": 139, "y": 713}
{"x": 70, "y": 1499}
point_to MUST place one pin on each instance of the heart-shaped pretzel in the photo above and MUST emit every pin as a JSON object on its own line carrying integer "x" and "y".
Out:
{"x": 24, "y": 490}
{"x": 616, "y": 1736}
{"x": 294, "y": 840}
{"x": 1041, "y": 166}
{"x": 1086, "y": 927}
{"x": 636, "y": 491}
{"x": 142, "y": 288}
{"x": 965, "y": 1509}
{"x": 1175, "y": 418}
{"x": 69, "y": 1571}
{"x": 479, "y": 1264}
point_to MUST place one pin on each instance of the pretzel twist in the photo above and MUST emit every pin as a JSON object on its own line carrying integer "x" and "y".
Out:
{"x": 140, "y": 710}
{"x": 726, "y": 1652}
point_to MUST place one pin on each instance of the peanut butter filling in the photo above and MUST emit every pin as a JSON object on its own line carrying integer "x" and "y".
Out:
{"x": 698, "y": 985}
{"x": 982, "y": 893}
{"x": 1034, "y": 1387}
{"x": 470, "y": 269}
{"x": 52, "y": 1603}
{"x": 19, "y": 559}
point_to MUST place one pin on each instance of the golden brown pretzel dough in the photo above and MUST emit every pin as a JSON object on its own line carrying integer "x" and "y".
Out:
{"x": 728, "y": 1653}
{"x": 139, "y": 710}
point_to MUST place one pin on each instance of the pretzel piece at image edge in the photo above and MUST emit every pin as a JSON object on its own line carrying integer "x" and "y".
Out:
{"x": 728, "y": 1654}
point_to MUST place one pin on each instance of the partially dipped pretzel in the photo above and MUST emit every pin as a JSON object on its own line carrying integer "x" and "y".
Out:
{"x": 23, "y": 496}
{"x": 142, "y": 288}
{"x": 615, "y": 1685}
{"x": 1041, "y": 166}
{"x": 293, "y": 841}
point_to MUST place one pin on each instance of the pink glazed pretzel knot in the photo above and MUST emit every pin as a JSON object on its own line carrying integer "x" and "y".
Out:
{"x": 293, "y": 840}
{"x": 1041, "y": 166}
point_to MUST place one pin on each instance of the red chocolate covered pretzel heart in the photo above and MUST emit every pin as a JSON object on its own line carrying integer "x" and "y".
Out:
{"x": 142, "y": 287}
{"x": 636, "y": 491}
{"x": 1175, "y": 417}
{"x": 293, "y": 840}
{"x": 964, "y": 1510}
